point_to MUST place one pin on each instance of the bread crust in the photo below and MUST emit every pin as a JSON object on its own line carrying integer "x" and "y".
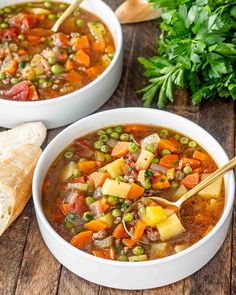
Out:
{"x": 134, "y": 11}
{"x": 16, "y": 172}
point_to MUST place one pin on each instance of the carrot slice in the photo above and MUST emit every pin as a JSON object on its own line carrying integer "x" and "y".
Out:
{"x": 66, "y": 208}
{"x": 203, "y": 157}
{"x": 96, "y": 225}
{"x": 134, "y": 128}
{"x": 120, "y": 149}
{"x": 73, "y": 76}
{"x": 139, "y": 230}
{"x": 135, "y": 192}
{"x": 10, "y": 67}
{"x": 110, "y": 49}
{"x": 32, "y": 95}
{"x": 169, "y": 161}
{"x": 87, "y": 166}
{"x": 82, "y": 58}
{"x": 98, "y": 253}
{"x": 160, "y": 182}
{"x": 119, "y": 232}
{"x": 110, "y": 253}
{"x": 129, "y": 242}
{"x": 82, "y": 240}
{"x": 81, "y": 43}
{"x": 70, "y": 65}
{"x": 193, "y": 163}
{"x": 191, "y": 180}
{"x": 98, "y": 45}
{"x": 98, "y": 178}
{"x": 166, "y": 144}
{"x": 104, "y": 204}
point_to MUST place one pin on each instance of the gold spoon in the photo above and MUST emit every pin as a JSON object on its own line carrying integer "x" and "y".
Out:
{"x": 207, "y": 181}
{"x": 66, "y": 14}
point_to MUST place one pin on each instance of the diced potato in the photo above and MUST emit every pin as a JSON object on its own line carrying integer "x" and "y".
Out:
{"x": 138, "y": 258}
{"x": 170, "y": 174}
{"x": 115, "y": 188}
{"x": 142, "y": 176}
{"x": 67, "y": 171}
{"x": 80, "y": 186}
{"x": 38, "y": 10}
{"x": 144, "y": 159}
{"x": 213, "y": 190}
{"x": 115, "y": 168}
{"x": 153, "y": 138}
{"x": 158, "y": 250}
{"x": 179, "y": 248}
{"x": 182, "y": 190}
{"x": 97, "y": 29}
{"x": 154, "y": 215}
{"x": 108, "y": 218}
{"x": 170, "y": 227}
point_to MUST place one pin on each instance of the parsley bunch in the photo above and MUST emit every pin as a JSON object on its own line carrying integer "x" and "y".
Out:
{"x": 196, "y": 51}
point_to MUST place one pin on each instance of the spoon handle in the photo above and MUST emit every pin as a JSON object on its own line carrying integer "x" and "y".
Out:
{"x": 208, "y": 180}
{"x": 65, "y": 14}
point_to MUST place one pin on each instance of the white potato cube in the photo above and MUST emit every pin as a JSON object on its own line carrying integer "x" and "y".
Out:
{"x": 213, "y": 190}
{"x": 115, "y": 168}
{"x": 170, "y": 227}
{"x": 115, "y": 188}
{"x": 144, "y": 159}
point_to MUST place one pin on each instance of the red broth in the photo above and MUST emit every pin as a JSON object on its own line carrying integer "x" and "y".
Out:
{"x": 109, "y": 175}
{"x": 38, "y": 64}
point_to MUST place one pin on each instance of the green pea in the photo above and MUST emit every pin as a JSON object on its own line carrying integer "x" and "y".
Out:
{"x": 2, "y": 76}
{"x": 51, "y": 60}
{"x": 7, "y": 10}
{"x": 124, "y": 137}
{"x": 133, "y": 148}
{"x": 80, "y": 23}
{"x": 109, "y": 131}
{"x": 192, "y": 144}
{"x": 105, "y": 148}
{"x": 21, "y": 37}
{"x": 29, "y": 4}
{"x": 146, "y": 184}
{"x": 98, "y": 144}
{"x": 14, "y": 81}
{"x": 52, "y": 16}
{"x": 101, "y": 132}
{"x": 184, "y": 140}
{"x": 174, "y": 184}
{"x": 138, "y": 250}
{"x": 113, "y": 200}
{"x": 118, "y": 129}
{"x": 47, "y": 4}
{"x": 63, "y": 6}
{"x": 122, "y": 258}
{"x": 82, "y": 159}
{"x": 129, "y": 217}
{"x": 87, "y": 216}
{"x": 89, "y": 200}
{"x": 56, "y": 69}
{"x": 187, "y": 170}
{"x": 165, "y": 153}
{"x": 4, "y": 25}
{"x": 76, "y": 172}
{"x": 155, "y": 160}
{"x": 116, "y": 212}
{"x": 151, "y": 148}
{"x": 41, "y": 81}
{"x": 76, "y": 13}
{"x": 164, "y": 133}
{"x": 115, "y": 135}
{"x": 68, "y": 155}
{"x": 119, "y": 178}
{"x": 103, "y": 137}
{"x": 59, "y": 14}
{"x": 177, "y": 137}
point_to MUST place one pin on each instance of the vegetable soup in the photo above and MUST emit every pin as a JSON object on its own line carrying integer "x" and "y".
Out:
{"x": 96, "y": 194}
{"x": 38, "y": 64}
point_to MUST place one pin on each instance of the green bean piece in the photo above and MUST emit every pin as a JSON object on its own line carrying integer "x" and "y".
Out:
{"x": 105, "y": 148}
{"x": 68, "y": 155}
{"x": 184, "y": 140}
{"x": 138, "y": 250}
{"x": 70, "y": 217}
{"x": 133, "y": 148}
{"x": 59, "y": 14}
{"x": 52, "y": 16}
{"x": 124, "y": 137}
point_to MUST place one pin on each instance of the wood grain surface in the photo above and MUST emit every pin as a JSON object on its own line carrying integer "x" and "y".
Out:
{"x": 26, "y": 265}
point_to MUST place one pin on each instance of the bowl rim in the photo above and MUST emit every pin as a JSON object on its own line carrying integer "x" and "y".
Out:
{"x": 119, "y": 46}
{"x": 76, "y": 251}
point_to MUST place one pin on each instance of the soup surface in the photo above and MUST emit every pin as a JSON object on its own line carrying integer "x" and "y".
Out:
{"x": 96, "y": 195}
{"x": 37, "y": 64}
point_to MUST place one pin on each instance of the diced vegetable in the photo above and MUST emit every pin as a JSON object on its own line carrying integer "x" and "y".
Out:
{"x": 170, "y": 227}
{"x": 154, "y": 215}
{"x": 80, "y": 186}
{"x": 108, "y": 219}
{"x": 158, "y": 250}
{"x": 115, "y": 168}
{"x": 179, "y": 248}
{"x": 82, "y": 240}
{"x": 96, "y": 225}
{"x": 82, "y": 58}
{"x": 129, "y": 242}
{"x": 170, "y": 174}
{"x": 138, "y": 258}
{"x": 169, "y": 161}
{"x": 213, "y": 190}
{"x": 67, "y": 171}
{"x": 203, "y": 157}
{"x": 182, "y": 190}
{"x": 104, "y": 243}
{"x": 97, "y": 29}
{"x": 166, "y": 144}
{"x": 150, "y": 139}
{"x": 193, "y": 163}
{"x": 160, "y": 182}
{"x": 120, "y": 149}
{"x": 98, "y": 178}
{"x": 144, "y": 159}
{"x": 87, "y": 166}
{"x": 135, "y": 192}
{"x": 115, "y": 188}
{"x": 119, "y": 232}
{"x": 191, "y": 180}
{"x": 139, "y": 230}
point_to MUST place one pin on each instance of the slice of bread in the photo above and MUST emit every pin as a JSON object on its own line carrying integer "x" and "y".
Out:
{"x": 19, "y": 153}
{"x": 134, "y": 11}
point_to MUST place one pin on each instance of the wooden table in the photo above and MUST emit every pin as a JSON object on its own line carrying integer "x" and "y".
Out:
{"x": 27, "y": 266}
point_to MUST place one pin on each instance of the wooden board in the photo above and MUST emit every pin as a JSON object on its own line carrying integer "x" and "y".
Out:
{"x": 26, "y": 265}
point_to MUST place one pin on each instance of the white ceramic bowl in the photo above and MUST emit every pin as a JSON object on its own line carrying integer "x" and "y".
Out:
{"x": 71, "y": 107}
{"x": 131, "y": 275}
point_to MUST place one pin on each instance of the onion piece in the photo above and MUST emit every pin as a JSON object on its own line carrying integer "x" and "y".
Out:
{"x": 158, "y": 168}
{"x": 70, "y": 197}
{"x": 95, "y": 208}
{"x": 150, "y": 139}
{"x": 111, "y": 142}
{"x": 105, "y": 243}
